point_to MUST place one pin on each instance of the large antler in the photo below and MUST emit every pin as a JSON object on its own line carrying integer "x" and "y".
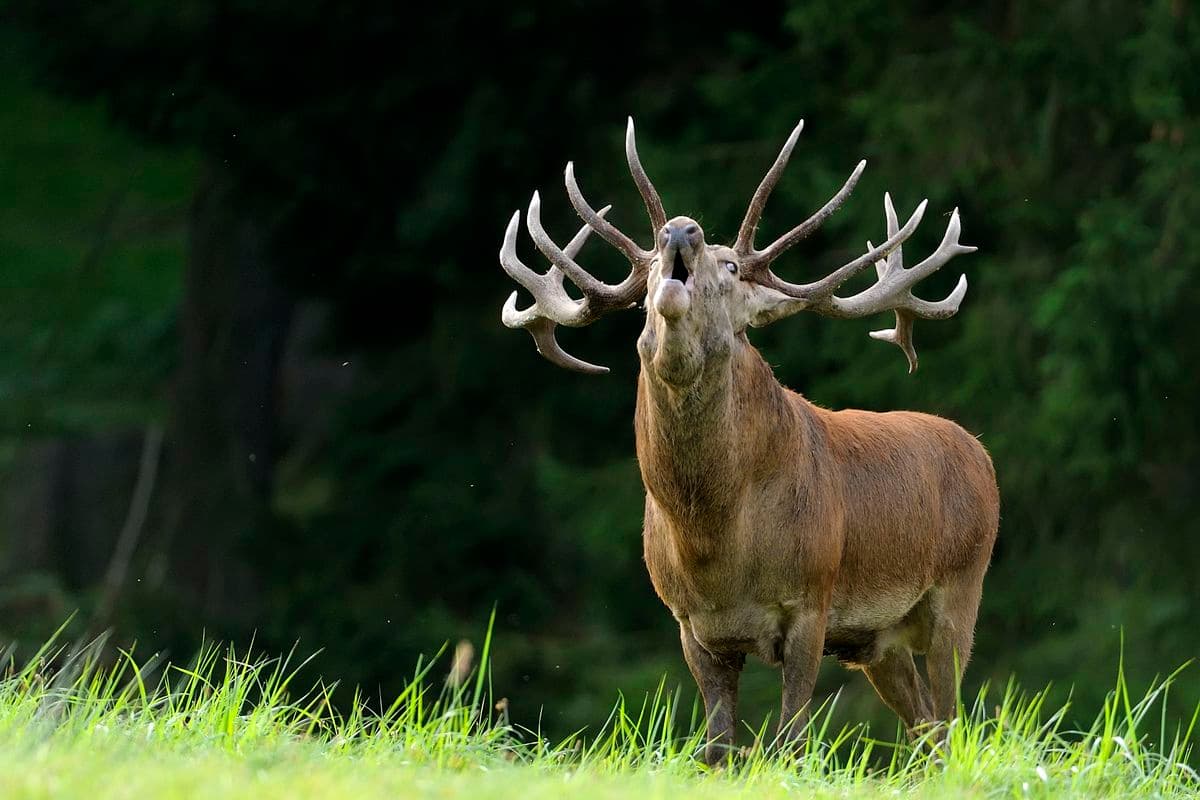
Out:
{"x": 552, "y": 305}
{"x": 890, "y": 293}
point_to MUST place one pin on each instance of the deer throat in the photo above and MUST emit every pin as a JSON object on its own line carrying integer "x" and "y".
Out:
{"x": 687, "y": 448}
{"x": 684, "y": 352}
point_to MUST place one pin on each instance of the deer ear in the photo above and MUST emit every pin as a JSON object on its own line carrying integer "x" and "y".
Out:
{"x": 766, "y": 305}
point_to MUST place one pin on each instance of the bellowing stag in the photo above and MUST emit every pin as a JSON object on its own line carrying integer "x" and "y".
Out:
{"x": 775, "y": 527}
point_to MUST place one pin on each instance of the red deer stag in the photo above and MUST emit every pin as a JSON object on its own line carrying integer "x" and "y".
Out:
{"x": 773, "y": 526}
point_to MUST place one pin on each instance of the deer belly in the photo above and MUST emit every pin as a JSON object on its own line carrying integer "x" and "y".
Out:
{"x": 875, "y": 611}
{"x": 859, "y": 628}
{"x": 753, "y": 630}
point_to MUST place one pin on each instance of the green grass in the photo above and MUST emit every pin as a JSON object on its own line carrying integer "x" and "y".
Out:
{"x": 230, "y": 724}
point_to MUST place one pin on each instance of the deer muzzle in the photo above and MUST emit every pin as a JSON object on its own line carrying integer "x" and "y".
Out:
{"x": 679, "y": 242}
{"x": 673, "y": 297}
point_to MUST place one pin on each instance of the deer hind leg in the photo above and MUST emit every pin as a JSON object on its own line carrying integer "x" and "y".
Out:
{"x": 901, "y": 687}
{"x": 955, "y": 605}
{"x": 717, "y": 677}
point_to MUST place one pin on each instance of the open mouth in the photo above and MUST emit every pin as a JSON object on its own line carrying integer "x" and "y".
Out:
{"x": 679, "y": 270}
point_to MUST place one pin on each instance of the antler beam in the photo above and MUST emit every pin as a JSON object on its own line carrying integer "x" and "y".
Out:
{"x": 890, "y": 293}
{"x": 654, "y": 206}
{"x": 552, "y": 305}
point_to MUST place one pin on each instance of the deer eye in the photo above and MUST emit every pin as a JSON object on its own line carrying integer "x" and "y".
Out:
{"x": 732, "y": 267}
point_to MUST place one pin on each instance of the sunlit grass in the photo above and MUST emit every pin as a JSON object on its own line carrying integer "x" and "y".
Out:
{"x": 232, "y": 724}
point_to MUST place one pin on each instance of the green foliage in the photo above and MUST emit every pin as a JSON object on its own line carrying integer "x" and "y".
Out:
{"x": 91, "y": 239}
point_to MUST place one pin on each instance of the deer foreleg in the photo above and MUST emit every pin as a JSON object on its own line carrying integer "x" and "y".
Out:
{"x": 717, "y": 677}
{"x": 802, "y": 649}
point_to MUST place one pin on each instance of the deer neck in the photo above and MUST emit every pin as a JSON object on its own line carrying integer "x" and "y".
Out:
{"x": 709, "y": 414}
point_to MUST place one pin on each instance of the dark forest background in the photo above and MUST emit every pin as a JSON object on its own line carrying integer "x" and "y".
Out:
{"x": 253, "y": 380}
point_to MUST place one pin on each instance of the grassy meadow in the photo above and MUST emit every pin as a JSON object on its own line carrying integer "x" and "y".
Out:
{"x": 231, "y": 724}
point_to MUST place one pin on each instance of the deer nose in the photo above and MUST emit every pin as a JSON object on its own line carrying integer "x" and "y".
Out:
{"x": 681, "y": 234}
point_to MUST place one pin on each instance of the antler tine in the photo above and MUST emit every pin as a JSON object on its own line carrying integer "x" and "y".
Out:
{"x": 902, "y": 334}
{"x": 601, "y": 296}
{"x": 745, "y": 238}
{"x": 586, "y": 282}
{"x": 654, "y": 206}
{"x": 550, "y": 297}
{"x": 535, "y": 283}
{"x": 606, "y": 229}
{"x": 542, "y": 331}
{"x": 744, "y": 245}
{"x": 806, "y": 228}
{"x": 896, "y": 258}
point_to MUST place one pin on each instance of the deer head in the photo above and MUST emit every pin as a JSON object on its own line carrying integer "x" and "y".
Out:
{"x": 700, "y": 296}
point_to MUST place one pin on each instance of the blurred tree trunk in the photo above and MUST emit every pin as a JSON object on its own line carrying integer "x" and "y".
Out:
{"x": 61, "y": 503}
{"x": 222, "y": 444}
